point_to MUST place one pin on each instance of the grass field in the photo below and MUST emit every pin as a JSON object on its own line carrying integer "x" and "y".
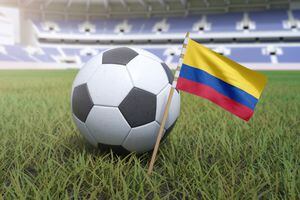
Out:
{"x": 210, "y": 154}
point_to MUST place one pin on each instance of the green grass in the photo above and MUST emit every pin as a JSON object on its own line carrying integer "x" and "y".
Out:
{"x": 210, "y": 154}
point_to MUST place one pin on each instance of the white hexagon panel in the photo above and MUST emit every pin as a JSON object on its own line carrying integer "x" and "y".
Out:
{"x": 84, "y": 131}
{"x": 142, "y": 138}
{"x": 107, "y": 125}
{"x": 109, "y": 85}
{"x": 87, "y": 71}
{"x": 147, "y": 74}
{"x": 174, "y": 109}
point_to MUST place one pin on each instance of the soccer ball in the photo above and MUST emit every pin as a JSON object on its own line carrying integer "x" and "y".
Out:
{"x": 118, "y": 99}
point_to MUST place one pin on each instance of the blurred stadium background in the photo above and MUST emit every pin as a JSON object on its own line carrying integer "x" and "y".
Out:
{"x": 59, "y": 34}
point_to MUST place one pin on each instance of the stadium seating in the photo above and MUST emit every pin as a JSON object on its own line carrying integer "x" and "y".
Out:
{"x": 170, "y": 55}
{"x": 289, "y": 55}
{"x": 99, "y": 25}
{"x": 248, "y": 55}
{"x": 264, "y": 21}
{"x": 4, "y": 57}
{"x": 269, "y": 21}
{"x": 179, "y": 24}
{"x": 18, "y": 53}
{"x": 232, "y": 24}
{"x": 224, "y": 22}
{"x": 296, "y": 14}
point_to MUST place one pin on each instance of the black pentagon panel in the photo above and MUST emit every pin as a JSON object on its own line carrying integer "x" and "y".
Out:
{"x": 168, "y": 72}
{"x": 138, "y": 107}
{"x": 81, "y": 102}
{"x": 121, "y": 56}
{"x": 118, "y": 149}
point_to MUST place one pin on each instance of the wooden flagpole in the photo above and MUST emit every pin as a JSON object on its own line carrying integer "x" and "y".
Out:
{"x": 165, "y": 116}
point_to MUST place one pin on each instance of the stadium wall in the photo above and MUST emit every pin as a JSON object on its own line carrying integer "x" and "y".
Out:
{"x": 28, "y": 34}
{"x": 10, "y": 25}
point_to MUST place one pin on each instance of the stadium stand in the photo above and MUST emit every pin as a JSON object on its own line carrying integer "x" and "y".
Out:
{"x": 224, "y": 22}
{"x": 239, "y": 54}
{"x": 244, "y": 36}
{"x": 289, "y": 55}
{"x": 18, "y": 53}
{"x": 271, "y": 20}
{"x": 4, "y": 57}
{"x": 249, "y": 55}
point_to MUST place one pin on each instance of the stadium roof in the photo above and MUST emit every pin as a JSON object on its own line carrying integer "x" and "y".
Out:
{"x": 143, "y": 7}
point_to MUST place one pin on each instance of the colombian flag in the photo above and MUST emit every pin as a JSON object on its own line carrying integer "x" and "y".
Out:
{"x": 226, "y": 83}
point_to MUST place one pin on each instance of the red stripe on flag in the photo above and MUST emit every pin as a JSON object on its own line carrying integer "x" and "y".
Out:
{"x": 207, "y": 92}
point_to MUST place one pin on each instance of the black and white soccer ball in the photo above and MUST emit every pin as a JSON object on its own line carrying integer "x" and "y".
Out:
{"x": 118, "y": 99}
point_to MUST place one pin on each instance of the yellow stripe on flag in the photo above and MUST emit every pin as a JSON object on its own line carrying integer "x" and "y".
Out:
{"x": 200, "y": 57}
